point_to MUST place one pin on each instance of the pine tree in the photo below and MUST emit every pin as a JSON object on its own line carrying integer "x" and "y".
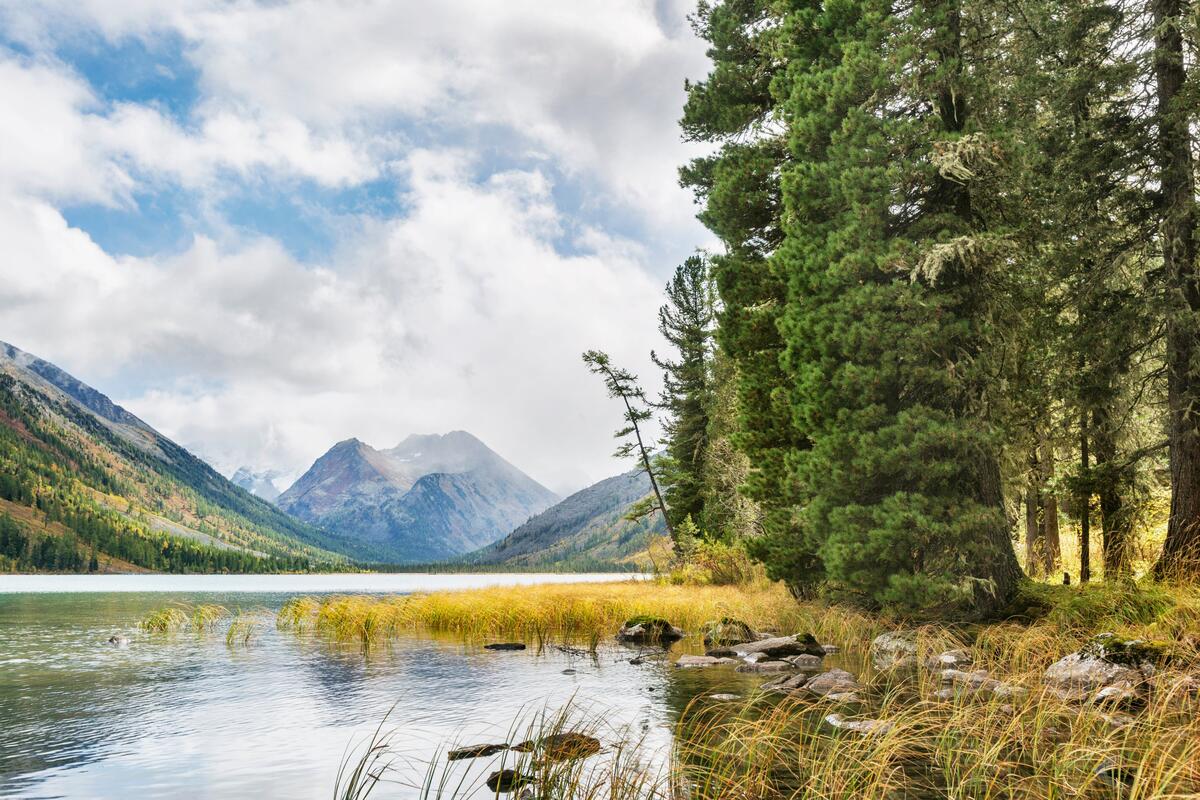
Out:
{"x": 887, "y": 319}
{"x": 686, "y": 322}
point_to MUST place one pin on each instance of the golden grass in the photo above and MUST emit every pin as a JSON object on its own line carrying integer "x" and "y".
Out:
{"x": 566, "y": 612}
{"x": 1032, "y": 745}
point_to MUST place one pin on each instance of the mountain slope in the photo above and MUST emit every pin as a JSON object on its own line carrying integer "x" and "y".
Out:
{"x": 585, "y": 531}
{"x": 120, "y": 487}
{"x": 430, "y": 498}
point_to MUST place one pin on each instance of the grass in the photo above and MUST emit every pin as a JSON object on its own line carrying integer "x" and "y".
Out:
{"x": 567, "y": 613}
{"x": 1033, "y": 745}
{"x": 240, "y": 626}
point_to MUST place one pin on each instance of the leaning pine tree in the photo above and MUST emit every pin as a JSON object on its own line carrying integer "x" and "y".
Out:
{"x": 887, "y": 315}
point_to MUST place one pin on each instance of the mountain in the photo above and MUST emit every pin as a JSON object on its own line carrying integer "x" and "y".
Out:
{"x": 429, "y": 498}
{"x": 260, "y": 484}
{"x": 585, "y": 531}
{"x": 86, "y": 484}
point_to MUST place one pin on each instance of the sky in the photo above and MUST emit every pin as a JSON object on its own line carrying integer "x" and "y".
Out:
{"x": 265, "y": 227}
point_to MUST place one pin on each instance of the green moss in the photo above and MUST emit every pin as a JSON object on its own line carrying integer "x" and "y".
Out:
{"x": 1127, "y": 652}
{"x": 648, "y": 622}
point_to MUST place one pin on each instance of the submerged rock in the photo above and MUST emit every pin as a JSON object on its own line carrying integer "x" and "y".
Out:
{"x": 507, "y": 780}
{"x": 962, "y": 683}
{"x": 505, "y": 646}
{"x": 831, "y": 649}
{"x": 649, "y": 630}
{"x": 692, "y": 662}
{"x": 786, "y": 683}
{"x": 476, "y": 751}
{"x": 724, "y": 696}
{"x": 727, "y": 631}
{"x": 118, "y": 640}
{"x": 765, "y": 666}
{"x": 867, "y": 727}
{"x": 561, "y": 746}
{"x": 894, "y": 651}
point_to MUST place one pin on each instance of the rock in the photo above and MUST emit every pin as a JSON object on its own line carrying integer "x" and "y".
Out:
{"x": 844, "y": 698}
{"x": 831, "y": 649}
{"x": 1117, "y": 720}
{"x": 692, "y": 662}
{"x": 951, "y": 659}
{"x": 505, "y": 646}
{"x": 835, "y": 681}
{"x": 1103, "y": 661}
{"x": 649, "y": 630}
{"x": 786, "y": 683}
{"x": 894, "y": 651}
{"x": 507, "y": 780}
{"x": 727, "y": 631}
{"x": 568, "y": 672}
{"x": 1121, "y": 696}
{"x": 867, "y": 727}
{"x": 723, "y": 696}
{"x": 118, "y": 640}
{"x": 806, "y": 663}
{"x": 765, "y": 666}
{"x": 776, "y": 647}
{"x": 561, "y": 746}
{"x": 476, "y": 751}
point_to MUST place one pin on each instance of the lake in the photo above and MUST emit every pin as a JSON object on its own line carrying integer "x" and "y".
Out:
{"x": 186, "y": 715}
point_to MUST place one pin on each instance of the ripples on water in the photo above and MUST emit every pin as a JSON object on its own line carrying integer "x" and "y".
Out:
{"x": 184, "y": 715}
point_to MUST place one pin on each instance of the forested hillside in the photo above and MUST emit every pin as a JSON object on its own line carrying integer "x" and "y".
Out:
{"x": 85, "y": 485}
{"x": 952, "y": 334}
{"x": 586, "y": 531}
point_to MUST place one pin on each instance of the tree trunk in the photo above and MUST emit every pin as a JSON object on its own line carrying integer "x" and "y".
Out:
{"x": 1051, "y": 546}
{"x": 1033, "y": 530}
{"x": 1116, "y": 524}
{"x": 1181, "y": 551}
{"x": 1085, "y": 504}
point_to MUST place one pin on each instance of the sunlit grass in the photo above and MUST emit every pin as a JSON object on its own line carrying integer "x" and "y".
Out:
{"x": 583, "y": 613}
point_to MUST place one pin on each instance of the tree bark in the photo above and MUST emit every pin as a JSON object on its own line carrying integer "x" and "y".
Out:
{"x": 1051, "y": 546}
{"x": 1033, "y": 530}
{"x": 1085, "y": 504}
{"x": 1181, "y": 551}
{"x": 1116, "y": 524}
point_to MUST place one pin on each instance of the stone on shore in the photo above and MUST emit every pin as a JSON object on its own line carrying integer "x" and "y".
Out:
{"x": 561, "y": 746}
{"x": 765, "y": 666}
{"x": 867, "y": 727}
{"x": 894, "y": 651}
{"x": 835, "y": 681}
{"x": 476, "y": 751}
{"x": 775, "y": 648}
{"x": 507, "y": 780}
{"x": 694, "y": 662}
{"x": 649, "y": 630}
{"x": 727, "y": 631}
{"x": 1105, "y": 661}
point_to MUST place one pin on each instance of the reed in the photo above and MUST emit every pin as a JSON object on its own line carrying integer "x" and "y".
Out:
{"x": 585, "y": 613}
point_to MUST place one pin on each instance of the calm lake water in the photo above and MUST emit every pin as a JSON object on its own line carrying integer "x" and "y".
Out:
{"x": 186, "y": 716}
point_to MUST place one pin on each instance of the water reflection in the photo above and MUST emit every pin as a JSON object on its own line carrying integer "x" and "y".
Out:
{"x": 186, "y": 716}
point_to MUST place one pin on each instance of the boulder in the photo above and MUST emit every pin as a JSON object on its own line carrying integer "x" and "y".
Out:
{"x": 831, "y": 649}
{"x": 806, "y": 663}
{"x": 504, "y": 646}
{"x": 1119, "y": 696}
{"x": 776, "y": 647}
{"x": 476, "y": 751}
{"x": 727, "y": 631}
{"x": 561, "y": 746}
{"x": 692, "y": 662}
{"x": 894, "y": 651}
{"x": 507, "y": 780}
{"x": 765, "y": 666}
{"x": 1104, "y": 661}
{"x": 867, "y": 727}
{"x": 835, "y": 681}
{"x": 978, "y": 683}
{"x": 649, "y": 630}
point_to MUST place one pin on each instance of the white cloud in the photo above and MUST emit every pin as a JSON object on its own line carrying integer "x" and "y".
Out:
{"x": 469, "y": 311}
{"x": 460, "y": 315}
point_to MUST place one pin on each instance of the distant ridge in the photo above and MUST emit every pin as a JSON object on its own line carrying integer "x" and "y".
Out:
{"x": 586, "y": 531}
